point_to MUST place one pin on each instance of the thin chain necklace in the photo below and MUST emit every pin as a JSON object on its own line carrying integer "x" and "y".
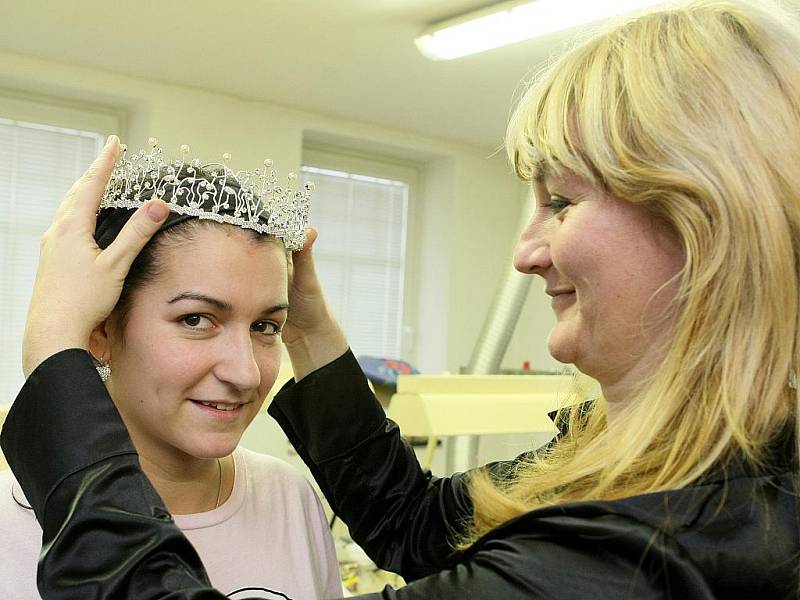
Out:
{"x": 219, "y": 484}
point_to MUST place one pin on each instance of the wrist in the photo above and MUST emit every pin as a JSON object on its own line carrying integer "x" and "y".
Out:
{"x": 314, "y": 349}
{"x": 37, "y": 349}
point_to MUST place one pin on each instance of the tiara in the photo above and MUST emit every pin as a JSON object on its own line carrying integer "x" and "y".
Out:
{"x": 249, "y": 199}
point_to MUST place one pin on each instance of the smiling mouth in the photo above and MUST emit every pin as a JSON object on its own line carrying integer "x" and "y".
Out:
{"x": 220, "y": 406}
{"x": 560, "y": 292}
{"x": 562, "y": 299}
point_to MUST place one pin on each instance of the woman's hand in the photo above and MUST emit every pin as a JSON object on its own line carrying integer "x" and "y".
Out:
{"x": 311, "y": 334}
{"x": 77, "y": 284}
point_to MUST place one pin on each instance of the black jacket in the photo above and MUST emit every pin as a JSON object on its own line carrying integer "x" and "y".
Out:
{"x": 108, "y": 535}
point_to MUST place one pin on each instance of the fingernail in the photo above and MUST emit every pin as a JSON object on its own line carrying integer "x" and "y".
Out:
{"x": 110, "y": 139}
{"x": 157, "y": 211}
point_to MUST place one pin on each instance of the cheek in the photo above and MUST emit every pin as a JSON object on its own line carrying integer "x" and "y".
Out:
{"x": 140, "y": 358}
{"x": 655, "y": 264}
{"x": 171, "y": 366}
{"x": 604, "y": 284}
{"x": 575, "y": 252}
{"x": 269, "y": 362}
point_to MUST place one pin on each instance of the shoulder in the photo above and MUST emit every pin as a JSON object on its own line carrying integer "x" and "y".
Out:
{"x": 17, "y": 520}
{"x": 579, "y": 550}
{"x": 714, "y": 509}
{"x": 671, "y": 538}
{"x": 266, "y": 472}
{"x": 275, "y": 488}
{"x": 11, "y": 493}
{"x": 725, "y": 504}
{"x": 571, "y": 552}
{"x": 21, "y": 541}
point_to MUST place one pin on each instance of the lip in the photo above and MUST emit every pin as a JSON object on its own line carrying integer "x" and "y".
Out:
{"x": 562, "y": 300}
{"x": 558, "y": 291}
{"x": 220, "y": 415}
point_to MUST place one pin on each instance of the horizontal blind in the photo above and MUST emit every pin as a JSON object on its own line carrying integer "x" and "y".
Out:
{"x": 38, "y": 164}
{"x": 360, "y": 255}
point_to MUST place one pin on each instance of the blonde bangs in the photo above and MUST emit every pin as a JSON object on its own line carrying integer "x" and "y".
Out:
{"x": 554, "y": 127}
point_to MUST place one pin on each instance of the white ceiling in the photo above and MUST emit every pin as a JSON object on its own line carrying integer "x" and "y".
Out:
{"x": 349, "y": 58}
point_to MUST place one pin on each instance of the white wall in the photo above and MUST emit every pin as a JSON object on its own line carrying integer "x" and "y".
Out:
{"x": 467, "y": 207}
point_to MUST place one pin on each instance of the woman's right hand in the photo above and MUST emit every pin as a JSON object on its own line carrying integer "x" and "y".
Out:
{"x": 312, "y": 336}
{"x": 77, "y": 284}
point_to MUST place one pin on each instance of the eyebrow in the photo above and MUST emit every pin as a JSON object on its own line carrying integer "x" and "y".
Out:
{"x": 221, "y": 304}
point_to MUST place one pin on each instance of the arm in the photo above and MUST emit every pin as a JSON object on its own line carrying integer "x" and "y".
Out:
{"x": 331, "y": 413}
{"x": 105, "y": 531}
{"x": 404, "y": 518}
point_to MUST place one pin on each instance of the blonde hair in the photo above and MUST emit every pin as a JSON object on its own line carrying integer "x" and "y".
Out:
{"x": 692, "y": 112}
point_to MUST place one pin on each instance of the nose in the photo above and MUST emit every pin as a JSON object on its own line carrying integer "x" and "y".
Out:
{"x": 532, "y": 254}
{"x": 238, "y": 366}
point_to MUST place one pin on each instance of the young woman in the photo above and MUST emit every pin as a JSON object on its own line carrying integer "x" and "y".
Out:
{"x": 663, "y": 155}
{"x": 189, "y": 353}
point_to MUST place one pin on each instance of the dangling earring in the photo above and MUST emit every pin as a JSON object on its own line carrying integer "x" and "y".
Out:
{"x": 104, "y": 369}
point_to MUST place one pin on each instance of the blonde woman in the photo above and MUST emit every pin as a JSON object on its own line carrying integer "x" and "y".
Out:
{"x": 664, "y": 158}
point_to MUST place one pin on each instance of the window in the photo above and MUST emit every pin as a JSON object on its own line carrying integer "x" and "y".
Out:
{"x": 38, "y": 164}
{"x": 361, "y": 255}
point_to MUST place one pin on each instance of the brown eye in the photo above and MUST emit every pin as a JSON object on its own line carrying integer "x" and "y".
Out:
{"x": 196, "y": 322}
{"x": 265, "y": 327}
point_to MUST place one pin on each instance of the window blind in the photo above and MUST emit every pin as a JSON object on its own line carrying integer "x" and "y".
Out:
{"x": 38, "y": 164}
{"x": 360, "y": 255}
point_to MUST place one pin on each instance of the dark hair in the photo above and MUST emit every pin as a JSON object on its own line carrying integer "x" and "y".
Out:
{"x": 176, "y": 230}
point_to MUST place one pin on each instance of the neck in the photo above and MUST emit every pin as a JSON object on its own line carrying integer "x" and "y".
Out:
{"x": 616, "y": 403}
{"x": 623, "y": 385}
{"x": 620, "y": 390}
{"x": 190, "y": 486}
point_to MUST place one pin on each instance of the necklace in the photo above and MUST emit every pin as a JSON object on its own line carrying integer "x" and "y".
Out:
{"x": 219, "y": 484}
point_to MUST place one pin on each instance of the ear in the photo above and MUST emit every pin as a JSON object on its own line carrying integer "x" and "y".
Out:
{"x": 100, "y": 343}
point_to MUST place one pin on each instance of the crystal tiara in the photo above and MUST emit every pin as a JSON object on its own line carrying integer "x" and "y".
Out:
{"x": 249, "y": 199}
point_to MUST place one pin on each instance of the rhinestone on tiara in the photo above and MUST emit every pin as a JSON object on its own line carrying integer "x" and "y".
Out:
{"x": 249, "y": 199}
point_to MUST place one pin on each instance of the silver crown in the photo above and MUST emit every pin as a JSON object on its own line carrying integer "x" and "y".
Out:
{"x": 258, "y": 201}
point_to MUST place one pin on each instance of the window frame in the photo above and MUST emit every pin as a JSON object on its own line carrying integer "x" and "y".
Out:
{"x": 39, "y": 112}
{"x": 60, "y": 113}
{"x": 349, "y": 161}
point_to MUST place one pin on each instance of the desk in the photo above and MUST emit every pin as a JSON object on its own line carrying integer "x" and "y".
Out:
{"x": 445, "y": 405}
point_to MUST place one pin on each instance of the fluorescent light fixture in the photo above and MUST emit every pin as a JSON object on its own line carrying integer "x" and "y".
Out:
{"x": 515, "y": 21}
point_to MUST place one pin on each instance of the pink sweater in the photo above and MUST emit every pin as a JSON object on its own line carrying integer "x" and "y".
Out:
{"x": 268, "y": 540}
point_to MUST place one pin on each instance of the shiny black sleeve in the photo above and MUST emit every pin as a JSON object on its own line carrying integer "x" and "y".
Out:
{"x": 105, "y": 531}
{"x": 405, "y": 519}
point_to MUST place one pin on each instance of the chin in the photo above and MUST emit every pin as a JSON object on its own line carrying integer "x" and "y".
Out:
{"x": 563, "y": 350}
{"x": 208, "y": 450}
{"x": 209, "y": 455}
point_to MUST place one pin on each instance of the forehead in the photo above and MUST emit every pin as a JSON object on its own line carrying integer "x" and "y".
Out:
{"x": 226, "y": 261}
{"x": 563, "y": 179}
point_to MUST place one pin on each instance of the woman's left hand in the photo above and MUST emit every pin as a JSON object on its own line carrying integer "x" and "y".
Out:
{"x": 312, "y": 335}
{"x": 77, "y": 284}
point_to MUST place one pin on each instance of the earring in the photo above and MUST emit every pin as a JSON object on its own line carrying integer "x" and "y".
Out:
{"x": 104, "y": 369}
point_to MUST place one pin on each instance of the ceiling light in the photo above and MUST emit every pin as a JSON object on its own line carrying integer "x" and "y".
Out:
{"x": 515, "y": 21}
